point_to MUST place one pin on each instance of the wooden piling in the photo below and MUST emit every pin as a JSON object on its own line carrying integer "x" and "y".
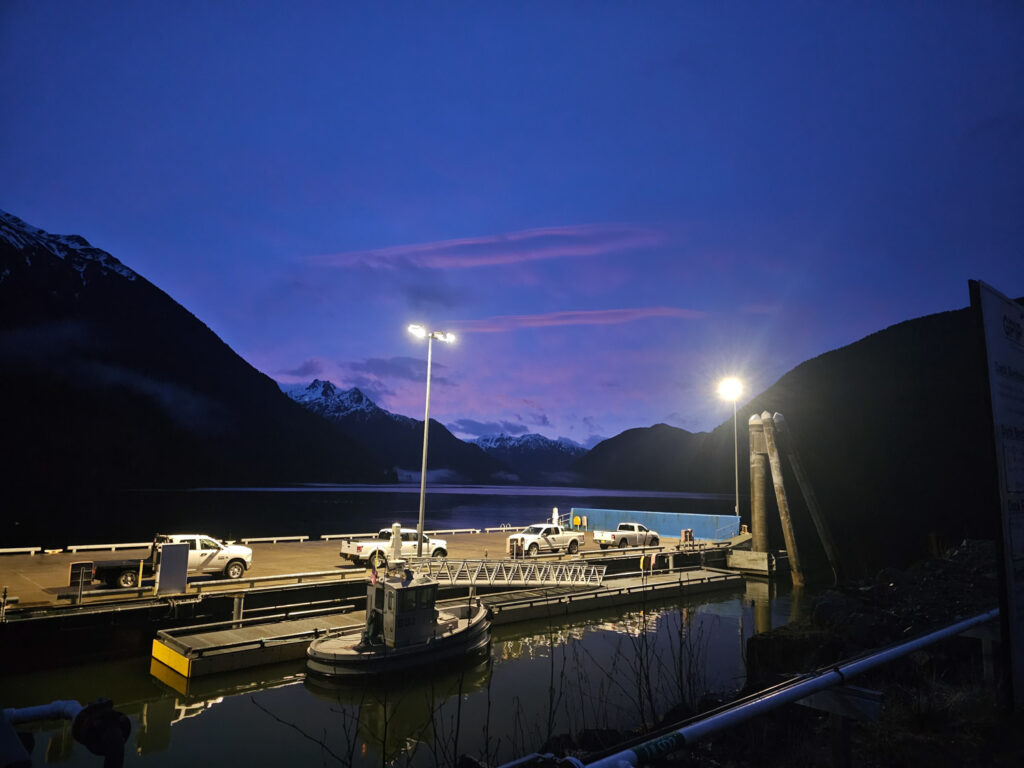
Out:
{"x": 758, "y": 485}
{"x": 788, "y": 533}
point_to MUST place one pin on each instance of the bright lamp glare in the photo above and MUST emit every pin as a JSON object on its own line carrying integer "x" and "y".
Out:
{"x": 447, "y": 337}
{"x": 730, "y": 389}
{"x": 418, "y": 331}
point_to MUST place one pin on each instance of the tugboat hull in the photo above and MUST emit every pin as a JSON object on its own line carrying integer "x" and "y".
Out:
{"x": 462, "y": 632}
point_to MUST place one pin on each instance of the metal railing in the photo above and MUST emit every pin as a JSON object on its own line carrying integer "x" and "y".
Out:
{"x": 110, "y": 547}
{"x": 74, "y": 548}
{"x": 517, "y": 573}
{"x": 800, "y": 687}
{"x": 20, "y": 550}
{"x": 274, "y": 539}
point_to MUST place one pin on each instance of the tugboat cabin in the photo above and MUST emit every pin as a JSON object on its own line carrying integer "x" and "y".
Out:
{"x": 400, "y": 612}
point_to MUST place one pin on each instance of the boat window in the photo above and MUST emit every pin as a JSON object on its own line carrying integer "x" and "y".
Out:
{"x": 406, "y": 600}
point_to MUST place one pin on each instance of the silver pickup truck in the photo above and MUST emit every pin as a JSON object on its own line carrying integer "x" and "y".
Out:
{"x": 627, "y": 535}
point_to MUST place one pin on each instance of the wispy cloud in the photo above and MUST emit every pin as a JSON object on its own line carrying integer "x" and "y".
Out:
{"x": 508, "y": 248}
{"x": 481, "y": 428}
{"x": 503, "y": 323}
{"x": 314, "y": 366}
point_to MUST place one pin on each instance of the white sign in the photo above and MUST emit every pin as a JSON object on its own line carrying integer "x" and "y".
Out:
{"x": 1003, "y": 329}
{"x": 172, "y": 569}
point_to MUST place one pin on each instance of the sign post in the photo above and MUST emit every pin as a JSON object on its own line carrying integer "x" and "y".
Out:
{"x": 1002, "y": 327}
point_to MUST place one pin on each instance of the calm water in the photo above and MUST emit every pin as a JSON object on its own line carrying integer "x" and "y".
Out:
{"x": 540, "y": 680}
{"x": 613, "y": 669}
{"x": 314, "y": 510}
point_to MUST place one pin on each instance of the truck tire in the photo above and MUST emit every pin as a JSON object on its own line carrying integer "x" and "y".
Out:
{"x": 439, "y": 553}
{"x": 234, "y": 569}
{"x": 574, "y": 547}
{"x": 533, "y": 550}
{"x": 603, "y": 545}
{"x": 654, "y": 541}
{"x": 378, "y": 560}
{"x": 128, "y": 578}
{"x": 623, "y": 543}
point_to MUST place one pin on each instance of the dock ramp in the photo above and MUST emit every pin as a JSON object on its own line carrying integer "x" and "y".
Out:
{"x": 510, "y": 573}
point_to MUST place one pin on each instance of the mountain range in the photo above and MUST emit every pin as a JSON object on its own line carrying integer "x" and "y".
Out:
{"x": 397, "y": 441}
{"x": 111, "y": 384}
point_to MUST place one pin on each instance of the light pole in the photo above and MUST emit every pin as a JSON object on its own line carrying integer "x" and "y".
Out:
{"x": 731, "y": 389}
{"x": 420, "y": 332}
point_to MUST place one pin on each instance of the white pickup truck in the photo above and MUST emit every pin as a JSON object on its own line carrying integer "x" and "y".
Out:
{"x": 543, "y": 537}
{"x": 376, "y": 551}
{"x": 627, "y": 535}
{"x": 205, "y": 555}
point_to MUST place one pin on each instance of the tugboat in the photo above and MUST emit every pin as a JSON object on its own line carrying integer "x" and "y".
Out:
{"x": 403, "y": 630}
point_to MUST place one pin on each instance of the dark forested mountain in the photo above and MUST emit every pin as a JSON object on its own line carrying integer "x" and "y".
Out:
{"x": 109, "y": 383}
{"x": 894, "y": 431}
{"x": 534, "y": 458}
{"x": 398, "y": 440}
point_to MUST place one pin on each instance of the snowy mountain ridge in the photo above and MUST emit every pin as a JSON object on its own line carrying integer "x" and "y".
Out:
{"x": 74, "y": 249}
{"x": 531, "y": 441}
{"x": 325, "y": 398}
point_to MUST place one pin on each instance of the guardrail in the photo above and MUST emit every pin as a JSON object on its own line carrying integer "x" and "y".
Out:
{"x": 110, "y": 547}
{"x": 274, "y": 539}
{"x": 441, "y": 531}
{"x": 75, "y": 548}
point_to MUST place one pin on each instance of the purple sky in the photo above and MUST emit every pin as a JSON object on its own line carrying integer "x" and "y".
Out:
{"x": 611, "y": 204}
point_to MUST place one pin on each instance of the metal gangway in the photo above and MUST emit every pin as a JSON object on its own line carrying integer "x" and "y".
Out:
{"x": 510, "y": 573}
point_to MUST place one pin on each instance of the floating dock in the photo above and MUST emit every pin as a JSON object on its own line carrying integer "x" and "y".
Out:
{"x": 224, "y": 646}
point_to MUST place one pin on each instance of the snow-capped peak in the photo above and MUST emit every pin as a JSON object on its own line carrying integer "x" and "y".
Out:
{"x": 531, "y": 441}
{"x": 74, "y": 249}
{"x": 324, "y": 397}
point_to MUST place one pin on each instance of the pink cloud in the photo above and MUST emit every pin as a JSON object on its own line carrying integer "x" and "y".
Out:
{"x": 509, "y": 248}
{"x": 504, "y": 323}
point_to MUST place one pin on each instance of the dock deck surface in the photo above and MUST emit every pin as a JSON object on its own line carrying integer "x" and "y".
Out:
{"x": 39, "y": 580}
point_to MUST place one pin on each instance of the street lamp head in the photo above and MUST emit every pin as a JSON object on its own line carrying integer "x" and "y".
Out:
{"x": 421, "y": 333}
{"x": 730, "y": 389}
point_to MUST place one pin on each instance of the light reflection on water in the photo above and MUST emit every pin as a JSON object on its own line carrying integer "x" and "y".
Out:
{"x": 610, "y": 669}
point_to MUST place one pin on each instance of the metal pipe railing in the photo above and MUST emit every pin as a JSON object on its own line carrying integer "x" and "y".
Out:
{"x": 799, "y": 688}
{"x": 756, "y": 704}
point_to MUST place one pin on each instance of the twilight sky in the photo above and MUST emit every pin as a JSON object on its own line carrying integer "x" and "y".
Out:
{"x": 613, "y": 204}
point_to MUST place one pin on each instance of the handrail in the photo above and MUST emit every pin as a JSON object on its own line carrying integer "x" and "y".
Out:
{"x": 799, "y": 688}
{"x": 228, "y": 584}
